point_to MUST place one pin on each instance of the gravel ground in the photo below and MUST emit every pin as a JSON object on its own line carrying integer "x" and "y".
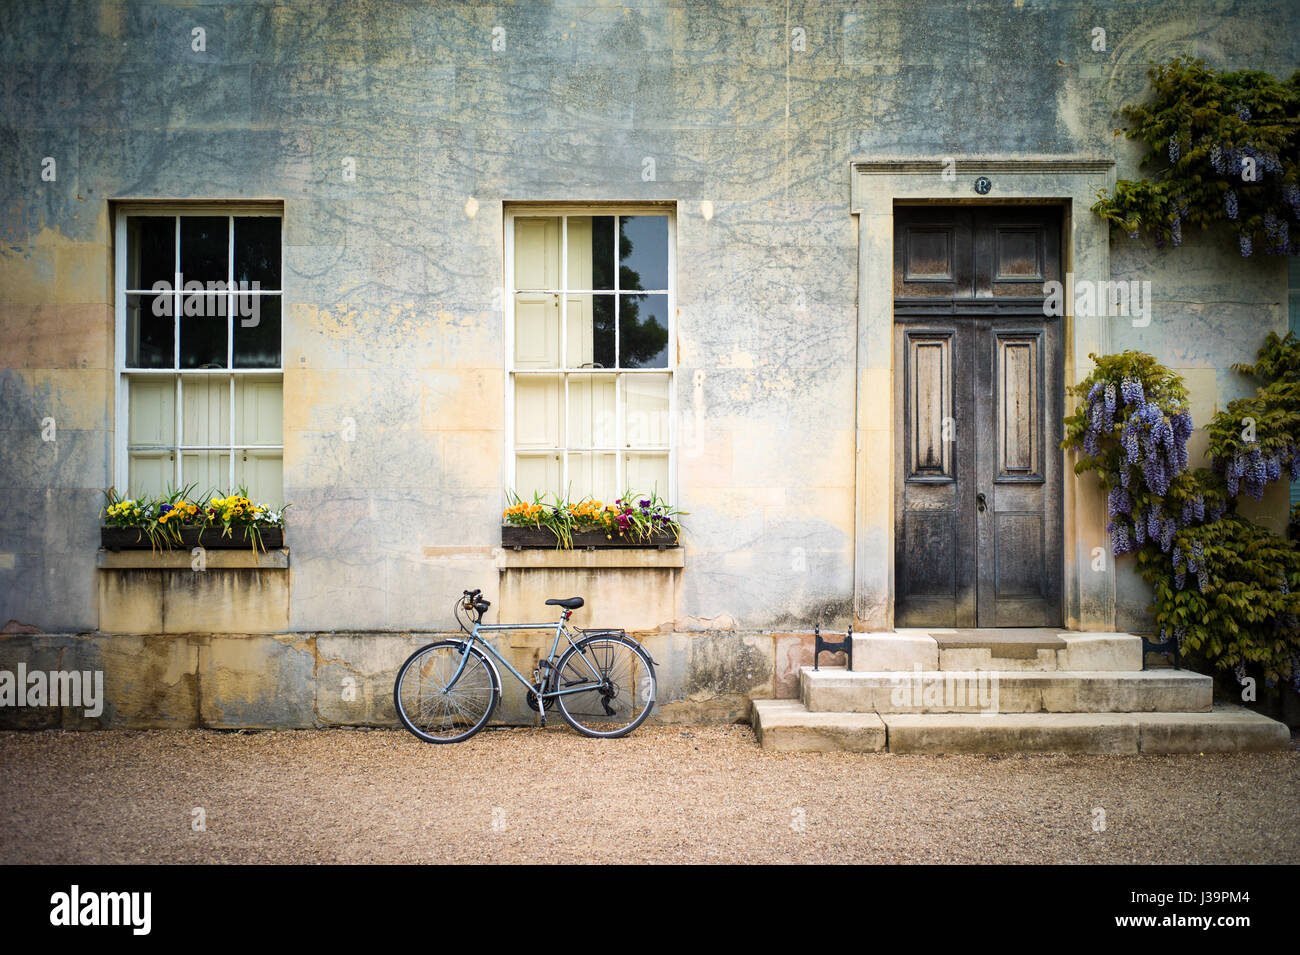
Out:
{"x": 664, "y": 794}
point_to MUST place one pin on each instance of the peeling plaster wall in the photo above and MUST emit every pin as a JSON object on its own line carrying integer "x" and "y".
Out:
{"x": 389, "y": 280}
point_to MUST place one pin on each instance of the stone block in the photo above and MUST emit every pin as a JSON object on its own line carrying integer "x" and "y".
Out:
{"x": 901, "y": 650}
{"x": 355, "y": 673}
{"x": 257, "y": 682}
{"x": 1100, "y": 651}
{"x": 785, "y": 726}
{"x": 941, "y": 733}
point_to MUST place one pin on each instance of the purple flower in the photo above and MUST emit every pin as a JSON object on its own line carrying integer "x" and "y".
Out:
{"x": 1245, "y": 247}
{"x": 1119, "y": 539}
{"x": 1291, "y": 194}
{"x": 1119, "y": 502}
{"x": 1230, "y": 204}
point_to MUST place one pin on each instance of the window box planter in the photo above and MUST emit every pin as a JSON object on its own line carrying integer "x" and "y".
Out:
{"x": 533, "y": 538}
{"x": 130, "y": 538}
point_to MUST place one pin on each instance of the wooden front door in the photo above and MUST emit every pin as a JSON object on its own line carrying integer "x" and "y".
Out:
{"x": 978, "y": 404}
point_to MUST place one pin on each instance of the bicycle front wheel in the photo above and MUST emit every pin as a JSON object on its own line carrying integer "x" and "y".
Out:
{"x": 611, "y": 683}
{"x": 433, "y": 706}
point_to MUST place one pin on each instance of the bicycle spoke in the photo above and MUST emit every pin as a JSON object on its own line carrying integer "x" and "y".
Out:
{"x": 434, "y": 707}
{"x": 619, "y": 700}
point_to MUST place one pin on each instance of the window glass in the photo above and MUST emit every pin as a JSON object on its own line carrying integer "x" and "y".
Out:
{"x": 643, "y": 331}
{"x": 149, "y": 331}
{"x": 152, "y": 243}
{"x": 643, "y": 253}
{"x": 205, "y": 248}
{"x": 257, "y": 251}
{"x": 592, "y": 307}
{"x": 257, "y": 330}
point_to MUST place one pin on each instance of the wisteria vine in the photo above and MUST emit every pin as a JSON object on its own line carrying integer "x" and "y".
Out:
{"x": 1222, "y": 150}
{"x": 1222, "y": 585}
{"x": 1137, "y": 442}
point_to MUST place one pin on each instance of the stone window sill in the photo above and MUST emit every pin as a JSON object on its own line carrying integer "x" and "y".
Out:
{"x": 215, "y": 559}
{"x": 650, "y": 558}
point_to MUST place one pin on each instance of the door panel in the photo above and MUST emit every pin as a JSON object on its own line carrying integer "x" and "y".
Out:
{"x": 932, "y": 253}
{"x": 935, "y": 578}
{"x": 979, "y": 403}
{"x": 1017, "y": 433}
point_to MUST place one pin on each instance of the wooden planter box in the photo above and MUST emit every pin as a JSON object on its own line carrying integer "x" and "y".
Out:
{"x": 533, "y": 537}
{"x": 123, "y": 538}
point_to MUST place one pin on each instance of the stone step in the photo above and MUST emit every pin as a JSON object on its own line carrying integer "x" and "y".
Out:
{"x": 1039, "y": 649}
{"x": 785, "y": 725}
{"x": 789, "y": 726}
{"x": 1016, "y": 691}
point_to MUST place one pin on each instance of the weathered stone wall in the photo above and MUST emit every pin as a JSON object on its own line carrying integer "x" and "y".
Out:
{"x": 751, "y": 114}
{"x": 311, "y": 679}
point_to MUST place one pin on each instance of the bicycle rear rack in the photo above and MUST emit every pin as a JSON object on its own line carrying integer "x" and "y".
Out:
{"x": 821, "y": 646}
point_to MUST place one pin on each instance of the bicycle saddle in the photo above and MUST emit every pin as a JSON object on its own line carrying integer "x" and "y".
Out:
{"x": 569, "y": 603}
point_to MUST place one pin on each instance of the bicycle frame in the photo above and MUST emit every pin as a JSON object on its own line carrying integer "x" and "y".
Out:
{"x": 476, "y": 637}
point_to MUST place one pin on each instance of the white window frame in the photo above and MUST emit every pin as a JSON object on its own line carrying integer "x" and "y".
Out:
{"x": 122, "y": 374}
{"x": 527, "y": 210}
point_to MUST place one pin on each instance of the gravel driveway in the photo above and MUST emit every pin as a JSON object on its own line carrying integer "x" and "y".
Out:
{"x": 664, "y": 794}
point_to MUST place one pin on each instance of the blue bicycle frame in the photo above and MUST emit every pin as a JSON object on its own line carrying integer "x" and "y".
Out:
{"x": 475, "y": 637}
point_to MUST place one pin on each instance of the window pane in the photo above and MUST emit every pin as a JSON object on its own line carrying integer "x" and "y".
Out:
{"x": 149, "y": 473}
{"x": 643, "y": 253}
{"x": 537, "y": 253}
{"x": 150, "y": 331}
{"x": 203, "y": 331}
{"x": 205, "y": 248}
{"x": 538, "y": 473}
{"x": 259, "y": 410}
{"x": 645, "y": 406}
{"x": 594, "y": 474}
{"x": 257, "y": 331}
{"x": 150, "y": 251}
{"x": 648, "y": 472}
{"x": 152, "y": 412}
{"x": 205, "y": 418}
{"x": 208, "y": 471}
{"x": 591, "y": 252}
{"x": 260, "y": 472}
{"x": 539, "y": 411}
{"x": 257, "y": 250}
{"x": 592, "y": 411}
{"x": 591, "y": 331}
{"x": 537, "y": 330}
{"x": 643, "y": 331}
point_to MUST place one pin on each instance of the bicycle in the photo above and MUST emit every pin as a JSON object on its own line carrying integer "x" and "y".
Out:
{"x": 603, "y": 684}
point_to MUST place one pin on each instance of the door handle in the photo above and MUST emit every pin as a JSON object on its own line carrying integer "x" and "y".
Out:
{"x": 980, "y": 502}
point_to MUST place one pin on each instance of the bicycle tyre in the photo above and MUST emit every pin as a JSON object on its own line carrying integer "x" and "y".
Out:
{"x": 623, "y": 662}
{"x": 482, "y": 702}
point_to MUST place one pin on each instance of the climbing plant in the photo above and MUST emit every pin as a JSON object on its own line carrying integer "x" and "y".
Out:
{"x": 1131, "y": 428}
{"x": 1255, "y": 440}
{"x": 1223, "y": 587}
{"x": 1223, "y": 149}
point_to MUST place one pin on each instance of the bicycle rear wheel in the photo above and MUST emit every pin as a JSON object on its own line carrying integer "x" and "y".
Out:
{"x": 437, "y": 710}
{"x": 615, "y": 686}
